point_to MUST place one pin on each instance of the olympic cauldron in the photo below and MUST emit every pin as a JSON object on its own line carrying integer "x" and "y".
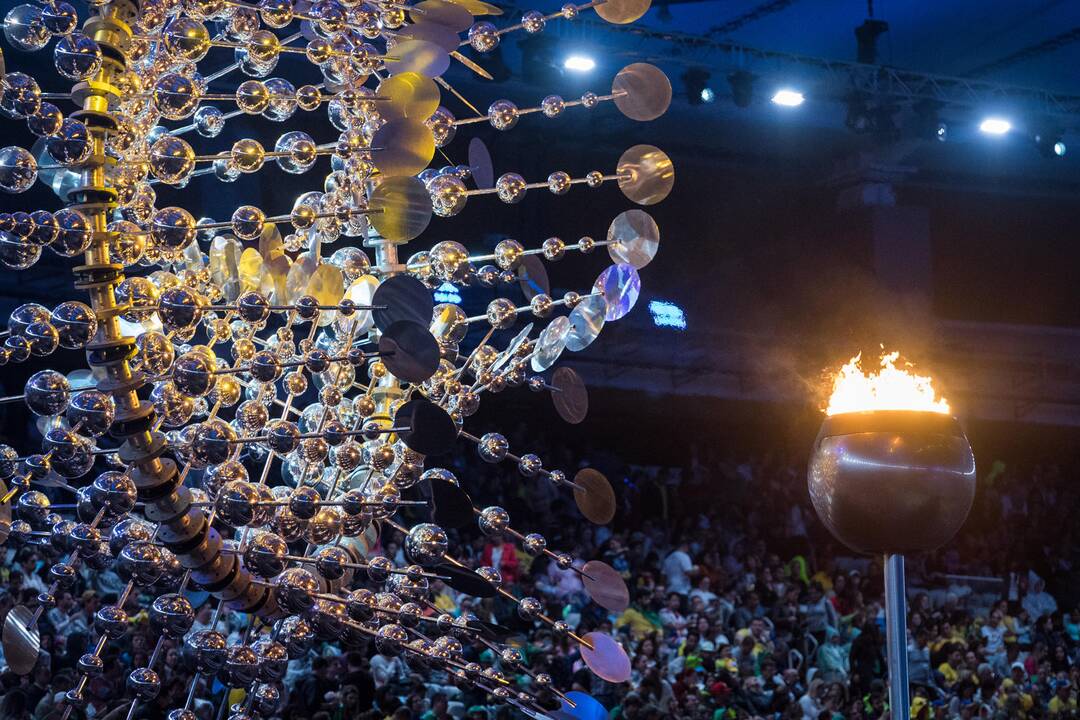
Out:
{"x": 892, "y": 481}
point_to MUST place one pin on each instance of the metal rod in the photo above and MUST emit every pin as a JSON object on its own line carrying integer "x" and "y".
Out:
{"x": 896, "y": 635}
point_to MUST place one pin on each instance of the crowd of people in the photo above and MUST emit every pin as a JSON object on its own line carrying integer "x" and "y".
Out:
{"x": 741, "y": 607}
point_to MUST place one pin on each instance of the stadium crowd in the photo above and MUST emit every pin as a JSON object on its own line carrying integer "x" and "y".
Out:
{"x": 741, "y": 607}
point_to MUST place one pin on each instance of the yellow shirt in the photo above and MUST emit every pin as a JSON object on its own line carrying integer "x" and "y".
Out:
{"x": 1058, "y": 706}
{"x": 948, "y": 674}
{"x": 640, "y": 626}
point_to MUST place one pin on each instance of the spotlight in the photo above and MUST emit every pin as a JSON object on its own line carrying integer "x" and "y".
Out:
{"x": 1050, "y": 144}
{"x": 788, "y": 98}
{"x": 928, "y": 123}
{"x": 995, "y": 126}
{"x": 579, "y": 63}
{"x": 696, "y": 82}
{"x": 742, "y": 88}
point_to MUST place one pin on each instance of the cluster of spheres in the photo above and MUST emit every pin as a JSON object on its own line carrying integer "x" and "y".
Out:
{"x": 259, "y": 404}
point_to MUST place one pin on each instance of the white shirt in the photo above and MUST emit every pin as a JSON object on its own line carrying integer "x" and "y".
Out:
{"x": 1039, "y": 603}
{"x": 708, "y": 597}
{"x": 676, "y": 567}
{"x": 386, "y": 669}
{"x": 995, "y": 638}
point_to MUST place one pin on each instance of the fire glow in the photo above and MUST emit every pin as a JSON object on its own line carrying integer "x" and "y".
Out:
{"x": 891, "y": 388}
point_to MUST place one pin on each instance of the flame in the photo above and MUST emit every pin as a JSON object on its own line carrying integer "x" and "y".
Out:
{"x": 891, "y": 388}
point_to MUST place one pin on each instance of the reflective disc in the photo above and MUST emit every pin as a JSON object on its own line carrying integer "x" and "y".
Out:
{"x": 634, "y": 238}
{"x": 410, "y": 352}
{"x": 550, "y": 344}
{"x": 621, "y": 286}
{"x": 643, "y": 91}
{"x": 21, "y": 642}
{"x": 605, "y": 586}
{"x": 586, "y": 322}
{"x": 606, "y": 658}
{"x": 402, "y": 297}
{"x": 646, "y": 174}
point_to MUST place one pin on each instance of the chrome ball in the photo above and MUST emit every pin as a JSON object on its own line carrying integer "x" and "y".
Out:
{"x": 205, "y": 651}
{"x": 144, "y": 683}
{"x": 426, "y": 543}
{"x": 171, "y": 616}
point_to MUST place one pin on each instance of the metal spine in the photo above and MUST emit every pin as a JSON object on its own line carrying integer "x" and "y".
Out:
{"x": 184, "y": 529}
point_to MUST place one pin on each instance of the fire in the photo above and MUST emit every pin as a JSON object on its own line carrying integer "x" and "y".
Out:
{"x": 891, "y": 388}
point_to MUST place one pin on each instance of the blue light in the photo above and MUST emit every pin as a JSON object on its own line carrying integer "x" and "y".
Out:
{"x": 667, "y": 314}
{"x": 447, "y": 293}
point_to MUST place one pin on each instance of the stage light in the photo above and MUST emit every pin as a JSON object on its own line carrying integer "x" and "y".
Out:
{"x": 941, "y": 132}
{"x": 667, "y": 314}
{"x": 788, "y": 98}
{"x": 995, "y": 126}
{"x": 742, "y": 88}
{"x": 579, "y": 63}
{"x": 696, "y": 82}
{"x": 1050, "y": 143}
{"x": 448, "y": 293}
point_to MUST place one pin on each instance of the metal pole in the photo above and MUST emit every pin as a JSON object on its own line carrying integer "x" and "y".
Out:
{"x": 896, "y": 636}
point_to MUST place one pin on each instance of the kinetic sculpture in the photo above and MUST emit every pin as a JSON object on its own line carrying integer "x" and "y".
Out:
{"x": 190, "y": 462}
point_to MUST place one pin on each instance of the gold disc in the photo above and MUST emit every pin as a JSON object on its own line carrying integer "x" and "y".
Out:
{"x": 595, "y": 499}
{"x": 402, "y": 208}
{"x": 643, "y": 91}
{"x": 433, "y": 32}
{"x": 420, "y": 56}
{"x": 225, "y": 265}
{"x": 622, "y": 12}
{"x": 251, "y": 270}
{"x": 646, "y": 174}
{"x": 402, "y": 146}
{"x": 451, "y": 15}
{"x": 273, "y": 280}
{"x": 479, "y": 7}
{"x": 270, "y": 243}
{"x": 409, "y": 95}
{"x": 296, "y": 282}
{"x": 326, "y": 285}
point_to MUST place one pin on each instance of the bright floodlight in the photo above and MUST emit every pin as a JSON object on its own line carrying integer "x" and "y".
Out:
{"x": 995, "y": 126}
{"x": 707, "y": 95}
{"x": 1059, "y": 148}
{"x": 579, "y": 63}
{"x": 788, "y": 98}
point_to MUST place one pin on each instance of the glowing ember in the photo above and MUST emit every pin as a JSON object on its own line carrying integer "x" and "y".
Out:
{"x": 891, "y": 388}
